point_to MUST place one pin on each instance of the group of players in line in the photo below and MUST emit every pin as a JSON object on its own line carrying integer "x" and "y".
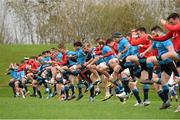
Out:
{"x": 119, "y": 62}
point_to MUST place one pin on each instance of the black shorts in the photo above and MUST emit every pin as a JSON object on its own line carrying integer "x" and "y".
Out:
{"x": 20, "y": 84}
{"x": 122, "y": 63}
{"x": 143, "y": 63}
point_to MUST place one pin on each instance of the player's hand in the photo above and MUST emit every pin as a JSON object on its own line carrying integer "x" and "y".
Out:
{"x": 142, "y": 54}
{"x": 163, "y": 21}
{"x": 119, "y": 55}
{"x": 85, "y": 64}
{"x": 150, "y": 37}
{"x": 88, "y": 66}
{"x": 101, "y": 56}
{"x": 140, "y": 45}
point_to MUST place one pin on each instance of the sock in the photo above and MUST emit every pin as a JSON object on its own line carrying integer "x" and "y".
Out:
{"x": 86, "y": 84}
{"x": 72, "y": 88}
{"x": 110, "y": 90}
{"x": 55, "y": 89}
{"x": 121, "y": 87}
{"x": 39, "y": 93}
{"x": 92, "y": 92}
{"x": 161, "y": 95}
{"x": 14, "y": 91}
{"x": 25, "y": 87}
{"x": 171, "y": 65}
{"x": 34, "y": 90}
{"x": 131, "y": 65}
{"x": 146, "y": 91}
{"x": 136, "y": 94}
{"x": 150, "y": 68}
{"x": 66, "y": 89}
{"x": 165, "y": 91}
{"x": 50, "y": 90}
{"x": 45, "y": 85}
{"x": 179, "y": 88}
{"x": 79, "y": 88}
{"x": 117, "y": 90}
{"x": 62, "y": 91}
{"x": 126, "y": 87}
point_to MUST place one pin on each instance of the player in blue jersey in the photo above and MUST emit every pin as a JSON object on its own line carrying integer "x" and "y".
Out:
{"x": 166, "y": 71}
{"x": 12, "y": 71}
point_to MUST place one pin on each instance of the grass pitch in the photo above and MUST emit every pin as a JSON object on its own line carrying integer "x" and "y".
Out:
{"x": 29, "y": 108}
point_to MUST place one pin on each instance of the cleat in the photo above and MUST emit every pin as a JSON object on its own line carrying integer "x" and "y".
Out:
{"x": 54, "y": 94}
{"x": 91, "y": 99}
{"x": 79, "y": 97}
{"x": 107, "y": 97}
{"x": 122, "y": 100}
{"x": 62, "y": 97}
{"x": 162, "y": 106}
{"x": 33, "y": 95}
{"x": 50, "y": 96}
{"x": 72, "y": 97}
{"x": 27, "y": 93}
{"x": 97, "y": 93}
{"x": 165, "y": 105}
{"x": 178, "y": 109}
{"x": 138, "y": 104}
{"x": 121, "y": 95}
{"x": 97, "y": 82}
{"x": 146, "y": 102}
{"x": 23, "y": 97}
{"x": 46, "y": 90}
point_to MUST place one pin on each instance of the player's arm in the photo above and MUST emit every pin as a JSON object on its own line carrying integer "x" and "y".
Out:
{"x": 125, "y": 50}
{"x": 108, "y": 54}
{"x": 149, "y": 49}
{"x": 163, "y": 38}
{"x": 136, "y": 42}
{"x": 172, "y": 27}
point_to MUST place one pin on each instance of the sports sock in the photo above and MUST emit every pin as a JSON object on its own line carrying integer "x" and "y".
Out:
{"x": 136, "y": 94}
{"x": 146, "y": 91}
{"x": 150, "y": 68}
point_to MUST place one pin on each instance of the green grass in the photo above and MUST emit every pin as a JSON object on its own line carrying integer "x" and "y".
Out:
{"x": 19, "y": 108}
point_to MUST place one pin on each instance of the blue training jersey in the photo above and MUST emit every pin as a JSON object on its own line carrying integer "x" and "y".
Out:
{"x": 46, "y": 59}
{"x": 14, "y": 73}
{"x": 105, "y": 50}
{"x": 59, "y": 57}
{"x": 162, "y": 46}
{"x": 132, "y": 50}
{"x": 123, "y": 43}
{"x": 70, "y": 60}
{"x": 81, "y": 56}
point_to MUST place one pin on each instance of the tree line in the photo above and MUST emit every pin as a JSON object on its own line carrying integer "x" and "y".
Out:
{"x": 54, "y": 21}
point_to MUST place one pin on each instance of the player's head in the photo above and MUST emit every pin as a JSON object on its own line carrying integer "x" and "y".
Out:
{"x": 173, "y": 18}
{"x": 62, "y": 48}
{"x": 141, "y": 31}
{"x": 110, "y": 42}
{"x": 87, "y": 47}
{"x": 77, "y": 45}
{"x": 156, "y": 31}
{"x": 48, "y": 53}
{"x": 117, "y": 36}
{"x": 101, "y": 43}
